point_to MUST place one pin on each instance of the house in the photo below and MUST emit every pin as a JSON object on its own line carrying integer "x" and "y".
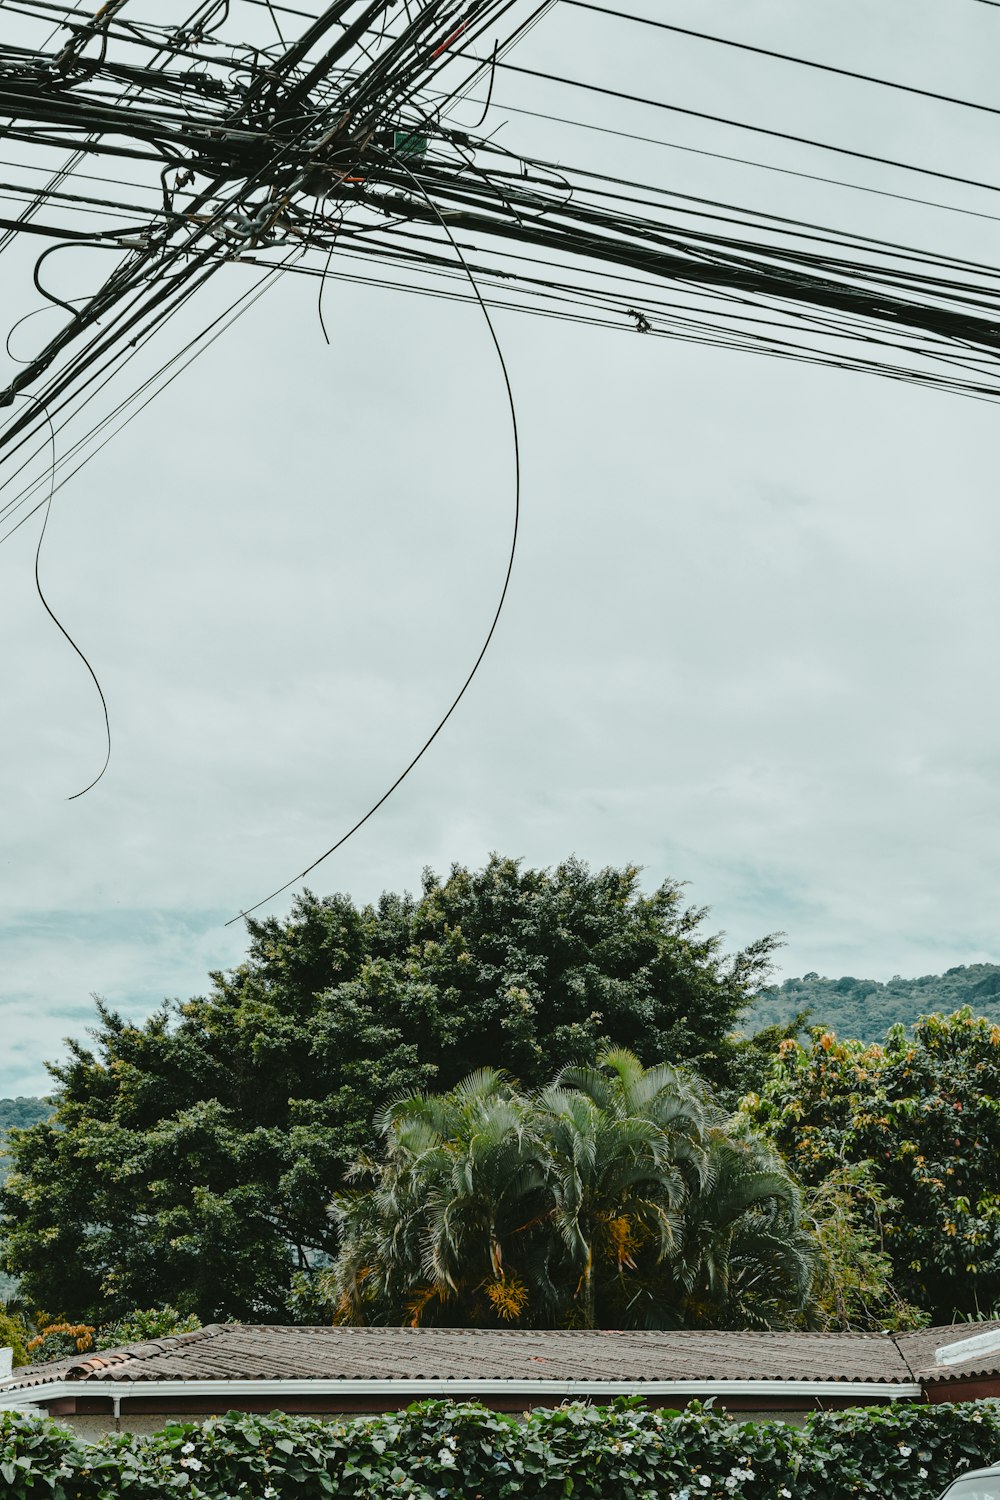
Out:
{"x": 328, "y": 1372}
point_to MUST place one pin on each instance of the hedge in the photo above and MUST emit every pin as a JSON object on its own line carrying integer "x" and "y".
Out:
{"x": 444, "y": 1451}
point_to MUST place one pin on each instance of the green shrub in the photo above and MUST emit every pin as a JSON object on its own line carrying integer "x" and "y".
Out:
{"x": 13, "y": 1335}
{"x": 445, "y": 1451}
{"x": 60, "y": 1341}
{"x": 150, "y": 1323}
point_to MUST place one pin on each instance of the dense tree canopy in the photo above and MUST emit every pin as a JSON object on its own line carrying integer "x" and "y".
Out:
{"x": 614, "y": 1197}
{"x": 17, "y": 1113}
{"x": 922, "y": 1111}
{"x": 192, "y": 1158}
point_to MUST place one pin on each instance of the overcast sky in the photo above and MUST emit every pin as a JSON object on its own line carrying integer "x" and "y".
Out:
{"x": 751, "y": 635}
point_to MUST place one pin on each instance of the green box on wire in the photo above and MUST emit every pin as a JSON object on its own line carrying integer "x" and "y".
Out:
{"x": 409, "y": 145}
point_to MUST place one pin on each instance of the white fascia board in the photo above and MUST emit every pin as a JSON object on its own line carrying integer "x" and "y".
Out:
{"x": 408, "y": 1390}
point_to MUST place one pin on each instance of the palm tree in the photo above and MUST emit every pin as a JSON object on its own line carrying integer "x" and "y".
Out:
{"x": 624, "y": 1148}
{"x": 455, "y": 1199}
{"x": 746, "y": 1259}
{"x": 612, "y": 1198}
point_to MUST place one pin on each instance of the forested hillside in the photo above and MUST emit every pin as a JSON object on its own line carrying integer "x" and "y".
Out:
{"x": 22, "y": 1111}
{"x": 866, "y": 1008}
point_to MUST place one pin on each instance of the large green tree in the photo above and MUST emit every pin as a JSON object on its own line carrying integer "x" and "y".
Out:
{"x": 615, "y": 1197}
{"x": 921, "y": 1115}
{"x": 191, "y": 1158}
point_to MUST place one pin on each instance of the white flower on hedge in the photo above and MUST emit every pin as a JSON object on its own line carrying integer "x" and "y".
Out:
{"x": 192, "y": 1463}
{"x": 269, "y": 1492}
{"x": 452, "y": 1443}
{"x": 904, "y": 1450}
{"x": 731, "y": 1482}
{"x": 922, "y": 1473}
{"x": 705, "y": 1481}
{"x": 446, "y": 1458}
{"x": 785, "y": 1494}
{"x": 188, "y": 1448}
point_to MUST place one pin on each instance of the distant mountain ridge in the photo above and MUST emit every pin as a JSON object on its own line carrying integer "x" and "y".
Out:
{"x": 866, "y": 1008}
{"x": 26, "y": 1109}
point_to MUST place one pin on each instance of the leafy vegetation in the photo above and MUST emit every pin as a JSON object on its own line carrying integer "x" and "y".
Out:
{"x": 192, "y": 1158}
{"x": 866, "y": 1008}
{"x": 17, "y": 1113}
{"x": 848, "y": 1213}
{"x": 13, "y": 1335}
{"x": 444, "y": 1451}
{"x": 614, "y": 1197}
{"x": 920, "y": 1114}
{"x": 142, "y": 1324}
{"x": 191, "y": 1161}
{"x": 58, "y": 1339}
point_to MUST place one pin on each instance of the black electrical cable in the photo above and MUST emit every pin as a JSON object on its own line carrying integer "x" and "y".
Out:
{"x": 704, "y": 209}
{"x": 600, "y": 221}
{"x": 274, "y": 18}
{"x": 781, "y": 135}
{"x": 743, "y": 161}
{"x": 55, "y": 618}
{"x": 198, "y": 233}
{"x": 840, "y": 324}
{"x": 285, "y": 10}
{"x": 803, "y": 62}
{"x": 806, "y": 294}
{"x": 720, "y": 337}
{"x": 500, "y": 604}
{"x": 221, "y": 324}
{"x": 221, "y": 209}
{"x": 519, "y": 280}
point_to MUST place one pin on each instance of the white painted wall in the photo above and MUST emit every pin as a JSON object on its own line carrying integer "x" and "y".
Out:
{"x": 6, "y": 1362}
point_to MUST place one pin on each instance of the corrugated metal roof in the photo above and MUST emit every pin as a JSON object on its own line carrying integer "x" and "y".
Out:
{"x": 919, "y": 1349}
{"x": 278, "y": 1354}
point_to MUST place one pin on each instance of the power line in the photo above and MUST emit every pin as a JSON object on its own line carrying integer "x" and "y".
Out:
{"x": 59, "y": 624}
{"x": 781, "y": 135}
{"x": 216, "y": 328}
{"x": 274, "y": 133}
{"x": 802, "y": 62}
{"x": 509, "y": 390}
{"x": 743, "y": 161}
